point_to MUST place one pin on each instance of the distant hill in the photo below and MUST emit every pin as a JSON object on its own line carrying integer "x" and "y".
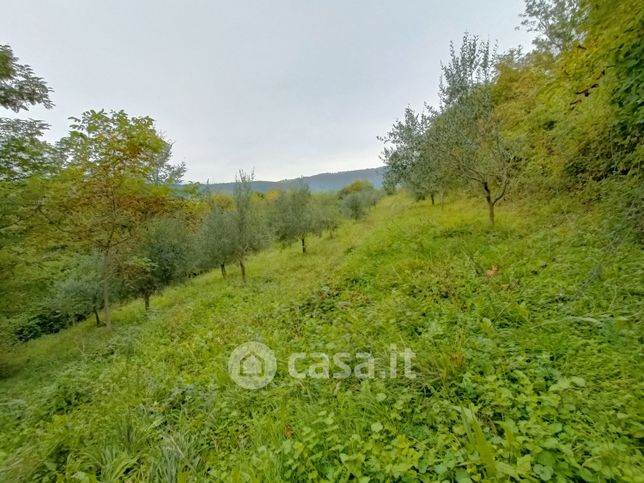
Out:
{"x": 317, "y": 183}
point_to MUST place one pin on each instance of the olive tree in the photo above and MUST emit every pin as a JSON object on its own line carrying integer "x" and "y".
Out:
{"x": 79, "y": 291}
{"x": 357, "y": 198}
{"x": 406, "y": 157}
{"x": 292, "y": 216}
{"x": 159, "y": 259}
{"x": 466, "y": 137}
{"x": 248, "y": 225}
{"x": 215, "y": 244}
{"x": 326, "y": 213}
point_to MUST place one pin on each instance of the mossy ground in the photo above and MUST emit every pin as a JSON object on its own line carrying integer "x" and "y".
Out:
{"x": 528, "y": 345}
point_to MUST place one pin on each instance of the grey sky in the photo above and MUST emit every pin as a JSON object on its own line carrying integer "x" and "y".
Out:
{"x": 288, "y": 87}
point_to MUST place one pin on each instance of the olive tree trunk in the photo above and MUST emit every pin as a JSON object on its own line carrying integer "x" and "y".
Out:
{"x": 243, "y": 269}
{"x": 490, "y": 212}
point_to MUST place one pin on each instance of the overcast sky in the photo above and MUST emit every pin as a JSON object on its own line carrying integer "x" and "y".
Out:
{"x": 287, "y": 87}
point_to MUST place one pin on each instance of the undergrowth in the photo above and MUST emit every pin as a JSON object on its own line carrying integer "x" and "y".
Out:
{"x": 528, "y": 363}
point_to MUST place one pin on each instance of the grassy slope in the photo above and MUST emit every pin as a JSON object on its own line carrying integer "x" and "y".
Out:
{"x": 531, "y": 369}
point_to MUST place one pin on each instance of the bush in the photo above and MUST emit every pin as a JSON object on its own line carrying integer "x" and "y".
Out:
{"x": 46, "y": 322}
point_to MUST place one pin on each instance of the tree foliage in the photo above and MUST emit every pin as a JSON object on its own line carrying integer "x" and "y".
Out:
{"x": 293, "y": 216}
{"x": 557, "y": 23}
{"x": 103, "y": 197}
{"x": 249, "y": 230}
{"x": 567, "y": 113}
{"x": 160, "y": 258}
{"x": 20, "y": 88}
{"x": 25, "y": 159}
{"x": 215, "y": 243}
{"x": 357, "y": 198}
{"x": 407, "y": 158}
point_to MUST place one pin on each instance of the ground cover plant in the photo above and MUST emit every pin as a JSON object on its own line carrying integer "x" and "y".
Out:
{"x": 474, "y": 314}
{"x": 528, "y": 361}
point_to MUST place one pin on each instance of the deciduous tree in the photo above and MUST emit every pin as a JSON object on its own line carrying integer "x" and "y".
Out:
{"x": 104, "y": 194}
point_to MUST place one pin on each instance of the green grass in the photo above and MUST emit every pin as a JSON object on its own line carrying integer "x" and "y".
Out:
{"x": 529, "y": 361}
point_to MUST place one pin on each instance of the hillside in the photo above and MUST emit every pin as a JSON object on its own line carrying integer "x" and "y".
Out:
{"x": 528, "y": 361}
{"x": 322, "y": 182}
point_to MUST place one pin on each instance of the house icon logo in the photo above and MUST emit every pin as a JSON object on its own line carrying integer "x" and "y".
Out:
{"x": 252, "y": 365}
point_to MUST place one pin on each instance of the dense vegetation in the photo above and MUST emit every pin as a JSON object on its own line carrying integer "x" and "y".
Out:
{"x": 105, "y": 222}
{"x": 529, "y": 360}
{"x": 121, "y": 306}
{"x": 568, "y": 112}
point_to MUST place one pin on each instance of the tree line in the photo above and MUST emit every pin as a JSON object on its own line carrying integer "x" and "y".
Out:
{"x": 566, "y": 114}
{"x": 100, "y": 216}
